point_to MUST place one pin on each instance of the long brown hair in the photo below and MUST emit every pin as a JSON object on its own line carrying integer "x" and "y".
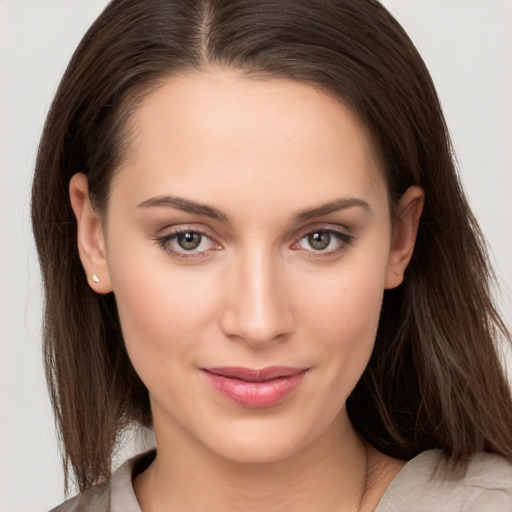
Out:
{"x": 434, "y": 379}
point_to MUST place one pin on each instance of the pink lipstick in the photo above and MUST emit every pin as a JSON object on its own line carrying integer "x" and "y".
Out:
{"x": 255, "y": 388}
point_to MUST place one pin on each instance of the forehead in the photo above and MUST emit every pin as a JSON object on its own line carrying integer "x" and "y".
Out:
{"x": 220, "y": 133}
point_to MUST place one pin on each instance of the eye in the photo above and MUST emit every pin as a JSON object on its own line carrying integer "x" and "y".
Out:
{"x": 319, "y": 240}
{"x": 187, "y": 243}
{"x": 324, "y": 242}
{"x": 189, "y": 240}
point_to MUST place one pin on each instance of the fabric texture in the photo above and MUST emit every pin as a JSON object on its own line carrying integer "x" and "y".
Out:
{"x": 425, "y": 484}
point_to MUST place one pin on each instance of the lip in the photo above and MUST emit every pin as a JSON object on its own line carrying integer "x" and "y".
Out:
{"x": 255, "y": 388}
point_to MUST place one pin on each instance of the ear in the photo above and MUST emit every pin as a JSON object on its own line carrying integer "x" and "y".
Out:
{"x": 405, "y": 229}
{"x": 90, "y": 237}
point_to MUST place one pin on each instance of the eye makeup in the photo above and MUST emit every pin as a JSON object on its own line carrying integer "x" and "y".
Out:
{"x": 188, "y": 243}
{"x": 324, "y": 243}
{"x": 196, "y": 244}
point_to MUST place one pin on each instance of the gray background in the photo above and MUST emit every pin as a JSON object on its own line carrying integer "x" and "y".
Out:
{"x": 467, "y": 45}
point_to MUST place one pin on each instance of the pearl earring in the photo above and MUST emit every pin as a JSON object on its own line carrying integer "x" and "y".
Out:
{"x": 95, "y": 278}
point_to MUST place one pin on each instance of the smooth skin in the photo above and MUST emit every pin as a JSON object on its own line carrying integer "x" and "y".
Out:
{"x": 249, "y": 225}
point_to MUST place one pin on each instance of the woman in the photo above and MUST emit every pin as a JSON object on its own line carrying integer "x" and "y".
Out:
{"x": 253, "y": 240}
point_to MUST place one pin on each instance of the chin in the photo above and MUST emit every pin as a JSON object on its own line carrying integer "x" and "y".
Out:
{"x": 256, "y": 451}
{"x": 269, "y": 442}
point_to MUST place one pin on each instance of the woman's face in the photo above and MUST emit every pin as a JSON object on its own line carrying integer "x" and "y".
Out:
{"x": 248, "y": 230}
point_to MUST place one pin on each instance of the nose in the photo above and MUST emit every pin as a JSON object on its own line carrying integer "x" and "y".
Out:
{"x": 257, "y": 309}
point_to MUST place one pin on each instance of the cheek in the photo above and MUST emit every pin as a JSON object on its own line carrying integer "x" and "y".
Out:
{"x": 349, "y": 315}
{"x": 344, "y": 314}
{"x": 162, "y": 307}
{"x": 349, "y": 298}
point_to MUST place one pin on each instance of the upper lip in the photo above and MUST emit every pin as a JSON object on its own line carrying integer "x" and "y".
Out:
{"x": 255, "y": 375}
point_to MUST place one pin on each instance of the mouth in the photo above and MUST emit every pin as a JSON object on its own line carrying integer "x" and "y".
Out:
{"x": 255, "y": 388}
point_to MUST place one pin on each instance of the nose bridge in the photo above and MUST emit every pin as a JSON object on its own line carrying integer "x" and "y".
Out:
{"x": 259, "y": 311}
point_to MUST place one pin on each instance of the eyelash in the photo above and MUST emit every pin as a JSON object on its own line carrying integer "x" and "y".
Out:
{"x": 344, "y": 241}
{"x": 165, "y": 242}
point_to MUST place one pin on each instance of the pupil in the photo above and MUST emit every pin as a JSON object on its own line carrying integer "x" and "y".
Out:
{"x": 319, "y": 240}
{"x": 189, "y": 241}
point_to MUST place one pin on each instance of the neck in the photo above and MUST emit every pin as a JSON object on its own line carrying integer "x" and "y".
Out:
{"x": 329, "y": 474}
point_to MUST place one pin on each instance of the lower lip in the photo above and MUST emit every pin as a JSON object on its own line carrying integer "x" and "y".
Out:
{"x": 255, "y": 394}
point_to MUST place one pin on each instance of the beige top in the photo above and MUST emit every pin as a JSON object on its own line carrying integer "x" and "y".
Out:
{"x": 423, "y": 485}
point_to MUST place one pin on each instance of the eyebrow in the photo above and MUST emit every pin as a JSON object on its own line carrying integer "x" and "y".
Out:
{"x": 331, "y": 207}
{"x": 185, "y": 205}
{"x": 196, "y": 208}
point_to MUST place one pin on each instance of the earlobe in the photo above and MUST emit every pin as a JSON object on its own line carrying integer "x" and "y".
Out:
{"x": 90, "y": 236}
{"x": 405, "y": 229}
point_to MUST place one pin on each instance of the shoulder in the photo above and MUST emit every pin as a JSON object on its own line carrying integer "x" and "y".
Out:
{"x": 427, "y": 483}
{"x": 116, "y": 495}
{"x": 96, "y": 498}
